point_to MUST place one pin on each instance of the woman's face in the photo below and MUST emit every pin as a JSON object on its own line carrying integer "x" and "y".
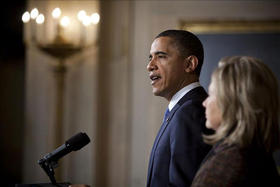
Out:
{"x": 213, "y": 113}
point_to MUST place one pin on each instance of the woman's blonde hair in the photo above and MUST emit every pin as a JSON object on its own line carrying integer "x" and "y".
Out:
{"x": 248, "y": 95}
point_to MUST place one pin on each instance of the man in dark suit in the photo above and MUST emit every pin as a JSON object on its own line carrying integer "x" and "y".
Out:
{"x": 175, "y": 61}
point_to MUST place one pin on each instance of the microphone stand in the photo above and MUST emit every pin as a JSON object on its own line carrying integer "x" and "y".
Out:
{"x": 48, "y": 167}
{"x": 50, "y": 161}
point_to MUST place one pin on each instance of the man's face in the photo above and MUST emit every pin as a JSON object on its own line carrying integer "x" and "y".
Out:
{"x": 166, "y": 68}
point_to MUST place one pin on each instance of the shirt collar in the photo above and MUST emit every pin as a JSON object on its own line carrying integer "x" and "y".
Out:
{"x": 181, "y": 93}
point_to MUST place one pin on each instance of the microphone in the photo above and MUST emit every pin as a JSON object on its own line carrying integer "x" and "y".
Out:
{"x": 75, "y": 143}
{"x": 49, "y": 161}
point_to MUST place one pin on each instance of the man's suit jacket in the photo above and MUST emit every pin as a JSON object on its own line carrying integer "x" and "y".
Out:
{"x": 178, "y": 148}
{"x": 231, "y": 166}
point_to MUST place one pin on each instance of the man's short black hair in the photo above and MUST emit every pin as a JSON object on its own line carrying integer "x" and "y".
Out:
{"x": 187, "y": 43}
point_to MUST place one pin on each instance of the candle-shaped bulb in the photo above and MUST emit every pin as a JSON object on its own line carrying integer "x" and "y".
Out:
{"x": 81, "y": 15}
{"x": 86, "y": 21}
{"x": 65, "y": 21}
{"x": 40, "y": 19}
{"x": 95, "y": 18}
{"x": 34, "y": 13}
{"x": 56, "y": 13}
{"x": 26, "y": 17}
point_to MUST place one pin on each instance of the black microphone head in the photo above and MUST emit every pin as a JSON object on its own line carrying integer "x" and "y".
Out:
{"x": 77, "y": 141}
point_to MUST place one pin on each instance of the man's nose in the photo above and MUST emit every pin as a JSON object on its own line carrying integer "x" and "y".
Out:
{"x": 151, "y": 65}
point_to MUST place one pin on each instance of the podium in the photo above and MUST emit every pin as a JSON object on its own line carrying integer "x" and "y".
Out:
{"x": 64, "y": 184}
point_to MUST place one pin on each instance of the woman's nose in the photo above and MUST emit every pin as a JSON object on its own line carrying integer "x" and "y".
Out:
{"x": 204, "y": 102}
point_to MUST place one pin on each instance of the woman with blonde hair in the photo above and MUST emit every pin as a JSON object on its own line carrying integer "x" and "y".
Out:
{"x": 243, "y": 110}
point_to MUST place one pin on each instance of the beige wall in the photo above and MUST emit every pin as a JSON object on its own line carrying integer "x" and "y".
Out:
{"x": 110, "y": 97}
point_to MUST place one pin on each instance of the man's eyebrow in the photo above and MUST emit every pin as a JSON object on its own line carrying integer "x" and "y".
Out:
{"x": 160, "y": 53}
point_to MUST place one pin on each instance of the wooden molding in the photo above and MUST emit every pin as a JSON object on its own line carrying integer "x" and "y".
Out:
{"x": 230, "y": 26}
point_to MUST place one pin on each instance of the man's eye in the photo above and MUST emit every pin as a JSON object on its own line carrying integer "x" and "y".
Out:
{"x": 161, "y": 56}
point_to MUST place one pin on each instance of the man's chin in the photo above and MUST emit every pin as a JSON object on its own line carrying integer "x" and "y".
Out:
{"x": 156, "y": 92}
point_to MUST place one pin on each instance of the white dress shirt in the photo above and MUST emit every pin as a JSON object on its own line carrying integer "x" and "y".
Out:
{"x": 181, "y": 93}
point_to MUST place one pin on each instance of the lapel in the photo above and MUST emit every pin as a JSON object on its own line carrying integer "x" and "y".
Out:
{"x": 193, "y": 94}
{"x": 184, "y": 99}
{"x": 161, "y": 130}
{"x": 196, "y": 92}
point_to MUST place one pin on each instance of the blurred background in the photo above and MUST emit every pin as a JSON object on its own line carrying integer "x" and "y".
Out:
{"x": 80, "y": 66}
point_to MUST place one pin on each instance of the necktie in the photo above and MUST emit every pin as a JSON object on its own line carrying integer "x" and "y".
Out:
{"x": 166, "y": 114}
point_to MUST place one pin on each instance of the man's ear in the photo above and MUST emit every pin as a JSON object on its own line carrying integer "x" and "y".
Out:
{"x": 191, "y": 63}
